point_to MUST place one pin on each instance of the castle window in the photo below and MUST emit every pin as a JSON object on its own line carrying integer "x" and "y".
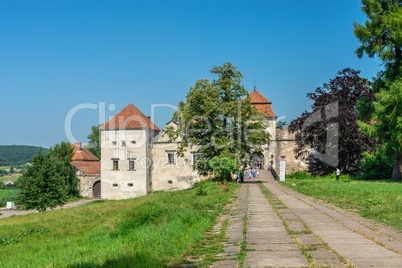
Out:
{"x": 113, "y": 143}
{"x": 170, "y": 158}
{"x": 123, "y": 143}
{"x": 115, "y": 184}
{"x": 133, "y": 142}
{"x": 130, "y": 185}
{"x": 115, "y": 163}
{"x": 131, "y": 164}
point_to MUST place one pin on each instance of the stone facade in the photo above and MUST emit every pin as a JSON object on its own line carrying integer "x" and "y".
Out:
{"x": 285, "y": 144}
{"x": 87, "y": 170}
{"x": 137, "y": 157}
{"x": 126, "y": 154}
{"x": 171, "y": 172}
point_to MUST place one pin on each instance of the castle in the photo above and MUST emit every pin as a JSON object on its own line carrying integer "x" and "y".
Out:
{"x": 138, "y": 157}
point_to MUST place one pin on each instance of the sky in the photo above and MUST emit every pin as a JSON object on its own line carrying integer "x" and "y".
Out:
{"x": 68, "y": 65}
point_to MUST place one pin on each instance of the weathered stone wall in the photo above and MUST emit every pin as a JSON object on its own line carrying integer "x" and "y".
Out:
{"x": 175, "y": 176}
{"x": 285, "y": 145}
{"x": 86, "y": 184}
{"x": 123, "y": 145}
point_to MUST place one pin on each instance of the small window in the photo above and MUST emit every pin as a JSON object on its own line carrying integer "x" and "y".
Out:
{"x": 115, "y": 185}
{"x": 113, "y": 143}
{"x": 130, "y": 185}
{"x": 170, "y": 156}
{"x": 115, "y": 164}
{"x": 131, "y": 164}
{"x": 133, "y": 142}
{"x": 123, "y": 143}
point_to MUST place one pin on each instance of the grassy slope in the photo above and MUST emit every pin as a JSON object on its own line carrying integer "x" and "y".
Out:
{"x": 153, "y": 231}
{"x": 11, "y": 178}
{"x": 9, "y": 192}
{"x": 380, "y": 201}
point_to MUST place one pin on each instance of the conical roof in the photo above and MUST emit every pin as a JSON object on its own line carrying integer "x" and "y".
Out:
{"x": 130, "y": 118}
{"x": 261, "y": 103}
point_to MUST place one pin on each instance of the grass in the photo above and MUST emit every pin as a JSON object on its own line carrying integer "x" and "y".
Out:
{"x": 10, "y": 177}
{"x": 8, "y": 195}
{"x": 377, "y": 200}
{"x": 157, "y": 230}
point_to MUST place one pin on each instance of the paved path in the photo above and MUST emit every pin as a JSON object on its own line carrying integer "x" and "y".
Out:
{"x": 8, "y": 213}
{"x": 273, "y": 226}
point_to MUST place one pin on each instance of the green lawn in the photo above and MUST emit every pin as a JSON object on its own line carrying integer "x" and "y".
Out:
{"x": 7, "y": 195}
{"x": 377, "y": 200}
{"x": 11, "y": 178}
{"x": 153, "y": 231}
{"x": 4, "y": 193}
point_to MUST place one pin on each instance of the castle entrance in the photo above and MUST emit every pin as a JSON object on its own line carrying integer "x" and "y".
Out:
{"x": 96, "y": 190}
{"x": 257, "y": 160}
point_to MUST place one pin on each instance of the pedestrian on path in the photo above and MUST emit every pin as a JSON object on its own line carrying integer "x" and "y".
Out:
{"x": 338, "y": 173}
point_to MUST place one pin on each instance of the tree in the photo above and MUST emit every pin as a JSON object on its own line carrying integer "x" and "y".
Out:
{"x": 11, "y": 169}
{"x": 42, "y": 185}
{"x": 329, "y": 136}
{"x": 94, "y": 142}
{"x": 386, "y": 124}
{"x": 219, "y": 120}
{"x": 281, "y": 125}
{"x": 63, "y": 152}
{"x": 381, "y": 36}
{"x": 223, "y": 167}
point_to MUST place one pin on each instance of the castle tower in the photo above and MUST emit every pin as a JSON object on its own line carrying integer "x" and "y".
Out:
{"x": 264, "y": 106}
{"x": 126, "y": 154}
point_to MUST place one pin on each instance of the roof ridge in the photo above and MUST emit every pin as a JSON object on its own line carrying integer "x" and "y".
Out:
{"x": 130, "y": 117}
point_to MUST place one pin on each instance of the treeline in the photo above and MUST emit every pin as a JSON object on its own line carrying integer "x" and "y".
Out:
{"x": 13, "y": 155}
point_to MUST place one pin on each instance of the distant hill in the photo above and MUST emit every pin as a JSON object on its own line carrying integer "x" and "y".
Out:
{"x": 13, "y": 155}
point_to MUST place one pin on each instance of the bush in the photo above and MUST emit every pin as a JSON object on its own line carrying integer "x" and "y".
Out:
{"x": 375, "y": 166}
{"x": 200, "y": 188}
{"x": 223, "y": 167}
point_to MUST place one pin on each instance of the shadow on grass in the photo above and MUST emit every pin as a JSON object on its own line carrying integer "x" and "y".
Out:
{"x": 137, "y": 260}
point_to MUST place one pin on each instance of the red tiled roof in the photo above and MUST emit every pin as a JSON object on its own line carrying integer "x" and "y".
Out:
{"x": 130, "y": 118}
{"x": 87, "y": 167}
{"x": 262, "y": 104}
{"x": 82, "y": 154}
{"x": 84, "y": 161}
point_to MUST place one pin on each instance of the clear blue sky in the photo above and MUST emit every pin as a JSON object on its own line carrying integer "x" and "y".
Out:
{"x": 55, "y": 55}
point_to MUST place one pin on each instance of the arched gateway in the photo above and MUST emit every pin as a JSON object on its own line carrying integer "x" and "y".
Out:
{"x": 96, "y": 190}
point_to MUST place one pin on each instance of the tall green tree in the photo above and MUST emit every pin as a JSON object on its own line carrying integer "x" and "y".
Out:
{"x": 218, "y": 118}
{"x": 381, "y": 36}
{"x": 63, "y": 152}
{"x": 94, "y": 142}
{"x": 42, "y": 185}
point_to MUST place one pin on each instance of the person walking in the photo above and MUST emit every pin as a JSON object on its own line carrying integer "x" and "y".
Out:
{"x": 338, "y": 173}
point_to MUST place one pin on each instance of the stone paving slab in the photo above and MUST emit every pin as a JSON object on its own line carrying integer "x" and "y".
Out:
{"x": 272, "y": 247}
{"x": 342, "y": 231}
{"x": 275, "y": 259}
{"x": 225, "y": 264}
{"x": 332, "y": 229}
{"x": 308, "y": 239}
{"x": 268, "y": 243}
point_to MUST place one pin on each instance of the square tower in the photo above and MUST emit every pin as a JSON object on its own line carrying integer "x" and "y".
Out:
{"x": 126, "y": 154}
